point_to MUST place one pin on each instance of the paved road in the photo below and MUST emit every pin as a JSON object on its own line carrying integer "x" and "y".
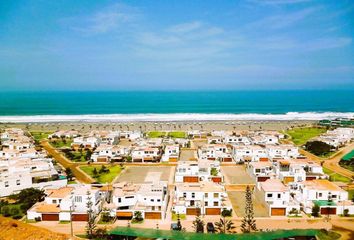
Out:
{"x": 66, "y": 163}
{"x": 332, "y": 163}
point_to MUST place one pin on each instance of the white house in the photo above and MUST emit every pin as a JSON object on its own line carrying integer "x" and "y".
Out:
{"x": 149, "y": 198}
{"x": 276, "y": 197}
{"x": 324, "y": 193}
{"x": 146, "y": 154}
{"x": 62, "y": 203}
{"x": 215, "y": 152}
{"x": 204, "y": 198}
{"x": 171, "y": 153}
{"x": 249, "y": 153}
{"x": 108, "y": 153}
{"x": 203, "y": 170}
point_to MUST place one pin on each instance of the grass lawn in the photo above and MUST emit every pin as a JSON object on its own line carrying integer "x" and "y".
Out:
{"x": 351, "y": 194}
{"x": 156, "y": 134}
{"x": 104, "y": 177}
{"x": 11, "y": 210}
{"x": 301, "y": 135}
{"x": 335, "y": 177}
{"x": 59, "y": 143}
{"x": 177, "y": 134}
{"x": 75, "y": 156}
{"x": 38, "y": 136}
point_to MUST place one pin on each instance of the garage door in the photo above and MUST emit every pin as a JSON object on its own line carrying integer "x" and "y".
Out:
{"x": 190, "y": 179}
{"x": 101, "y": 159}
{"x": 310, "y": 178}
{"x": 263, "y": 159}
{"x": 262, "y": 179}
{"x": 50, "y": 217}
{"x": 213, "y": 211}
{"x": 152, "y": 215}
{"x": 227, "y": 159}
{"x": 173, "y": 159}
{"x": 278, "y": 212}
{"x": 193, "y": 211}
{"x": 124, "y": 215}
{"x": 216, "y": 179}
{"x": 330, "y": 211}
{"x": 288, "y": 179}
{"x": 80, "y": 217}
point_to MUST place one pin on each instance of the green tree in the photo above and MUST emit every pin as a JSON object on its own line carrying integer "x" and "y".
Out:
{"x": 138, "y": 216}
{"x": 198, "y": 224}
{"x": 95, "y": 173}
{"x": 315, "y": 211}
{"x": 224, "y": 226}
{"x": 214, "y": 172}
{"x": 28, "y": 197}
{"x": 318, "y": 148}
{"x": 5, "y": 211}
{"x": 91, "y": 224}
{"x": 69, "y": 174}
{"x": 248, "y": 222}
{"x": 226, "y": 213}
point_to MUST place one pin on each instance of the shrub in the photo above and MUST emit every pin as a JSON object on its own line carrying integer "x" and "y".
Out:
{"x": 346, "y": 212}
{"x": 318, "y": 147}
{"x": 226, "y": 213}
{"x": 315, "y": 211}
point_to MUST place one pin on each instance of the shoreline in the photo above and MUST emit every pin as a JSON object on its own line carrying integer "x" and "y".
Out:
{"x": 175, "y": 117}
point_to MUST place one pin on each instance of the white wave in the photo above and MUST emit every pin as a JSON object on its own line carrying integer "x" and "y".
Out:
{"x": 174, "y": 117}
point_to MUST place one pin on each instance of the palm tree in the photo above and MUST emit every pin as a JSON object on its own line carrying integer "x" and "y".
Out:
{"x": 225, "y": 226}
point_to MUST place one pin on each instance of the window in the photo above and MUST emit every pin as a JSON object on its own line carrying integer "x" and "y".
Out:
{"x": 159, "y": 200}
{"x": 119, "y": 200}
{"x": 184, "y": 194}
{"x": 78, "y": 199}
{"x": 206, "y": 204}
{"x": 54, "y": 201}
{"x": 206, "y": 195}
{"x": 6, "y": 184}
{"x": 216, "y": 195}
{"x": 279, "y": 195}
{"x": 269, "y": 195}
{"x": 320, "y": 194}
{"x": 216, "y": 204}
{"x": 18, "y": 182}
{"x": 193, "y": 195}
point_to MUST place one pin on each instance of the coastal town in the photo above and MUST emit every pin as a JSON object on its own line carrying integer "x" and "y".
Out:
{"x": 167, "y": 178}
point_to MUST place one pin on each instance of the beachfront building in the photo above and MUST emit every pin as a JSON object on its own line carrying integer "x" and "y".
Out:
{"x": 328, "y": 196}
{"x": 237, "y": 140}
{"x": 298, "y": 170}
{"x": 146, "y": 154}
{"x": 150, "y": 199}
{"x": 203, "y": 170}
{"x": 131, "y": 135}
{"x": 337, "y": 137}
{"x": 85, "y": 142}
{"x": 250, "y": 153}
{"x": 284, "y": 151}
{"x": 22, "y": 173}
{"x": 109, "y": 153}
{"x": 203, "y": 198}
{"x": 218, "y": 152}
{"x": 64, "y": 134}
{"x": 261, "y": 171}
{"x": 171, "y": 153}
{"x": 61, "y": 203}
{"x": 21, "y": 166}
{"x": 276, "y": 197}
{"x": 106, "y": 137}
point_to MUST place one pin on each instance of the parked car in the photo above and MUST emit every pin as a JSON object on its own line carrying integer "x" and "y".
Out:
{"x": 210, "y": 227}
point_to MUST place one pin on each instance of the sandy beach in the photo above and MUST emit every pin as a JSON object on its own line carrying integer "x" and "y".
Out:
{"x": 162, "y": 126}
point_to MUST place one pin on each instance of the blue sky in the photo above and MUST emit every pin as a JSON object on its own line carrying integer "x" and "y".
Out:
{"x": 172, "y": 45}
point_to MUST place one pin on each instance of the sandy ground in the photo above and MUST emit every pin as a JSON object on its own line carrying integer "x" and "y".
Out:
{"x": 15, "y": 230}
{"x": 238, "y": 205}
{"x": 161, "y": 126}
{"x": 188, "y": 155}
{"x": 236, "y": 175}
{"x": 141, "y": 174}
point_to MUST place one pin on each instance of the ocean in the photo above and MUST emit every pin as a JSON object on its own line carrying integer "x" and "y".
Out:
{"x": 175, "y": 105}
